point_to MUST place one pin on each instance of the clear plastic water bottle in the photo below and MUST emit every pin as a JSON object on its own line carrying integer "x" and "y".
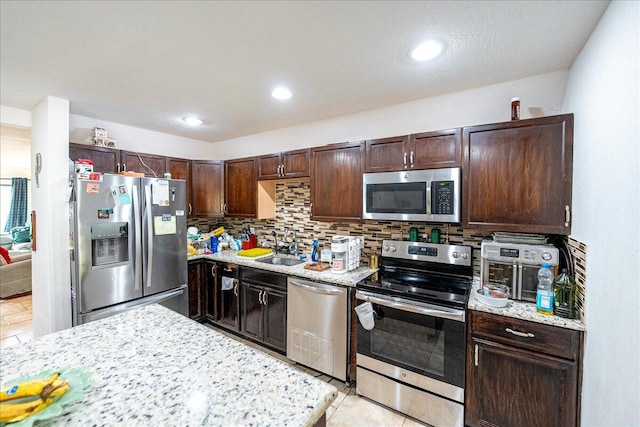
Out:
{"x": 544, "y": 294}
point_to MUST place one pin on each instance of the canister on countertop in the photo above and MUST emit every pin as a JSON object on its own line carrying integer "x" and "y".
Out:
{"x": 413, "y": 234}
{"x": 435, "y": 235}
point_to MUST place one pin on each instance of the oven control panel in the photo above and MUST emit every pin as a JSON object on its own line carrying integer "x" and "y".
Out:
{"x": 422, "y": 251}
{"x": 519, "y": 253}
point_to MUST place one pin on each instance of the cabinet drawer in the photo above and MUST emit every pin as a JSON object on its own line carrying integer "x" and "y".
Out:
{"x": 538, "y": 337}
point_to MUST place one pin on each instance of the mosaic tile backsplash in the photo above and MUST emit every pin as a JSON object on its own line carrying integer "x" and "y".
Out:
{"x": 293, "y": 212}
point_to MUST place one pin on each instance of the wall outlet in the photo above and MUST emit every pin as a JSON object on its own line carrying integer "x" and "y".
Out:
{"x": 361, "y": 241}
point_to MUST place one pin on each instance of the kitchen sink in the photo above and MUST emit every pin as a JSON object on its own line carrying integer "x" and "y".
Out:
{"x": 276, "y": 260}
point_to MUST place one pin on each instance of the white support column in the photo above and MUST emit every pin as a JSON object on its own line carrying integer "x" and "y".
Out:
{"x": 50, "y": 261}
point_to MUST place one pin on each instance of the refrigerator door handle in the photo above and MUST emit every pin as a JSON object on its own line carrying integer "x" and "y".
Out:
{"x": 137, "y": 266}
{"x": 147, "y": 214}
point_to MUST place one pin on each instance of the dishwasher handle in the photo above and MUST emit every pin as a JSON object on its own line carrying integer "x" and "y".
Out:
{"x": 317, "y": 288}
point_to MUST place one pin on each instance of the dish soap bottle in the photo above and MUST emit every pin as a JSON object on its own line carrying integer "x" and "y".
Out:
{"x": 314, "y": 251}
{"x": 564, "y": 292}
{"x": 544, "y": 294}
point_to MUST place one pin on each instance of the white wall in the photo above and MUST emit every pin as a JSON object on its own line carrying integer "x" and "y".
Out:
{"x": 145, "y": 141}
{"x": 540, "y": 95}
{"x": 50, "y": 262}
{"x": 603, "y": 93}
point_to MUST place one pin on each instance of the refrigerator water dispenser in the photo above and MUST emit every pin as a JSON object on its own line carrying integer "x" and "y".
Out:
{"x": 109, "y": 243}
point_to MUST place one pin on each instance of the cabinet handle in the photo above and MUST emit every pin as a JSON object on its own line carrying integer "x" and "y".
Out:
{"x": 224, "y": 208}
{"x": 475, "y": 357}
{"x": 411, "y": 159}
{"x": 235, "y": 287}
{"x": 261, "y": 297}
{"x": 190, "y": 210}
{"x": 281, "y": 170}
{"x": 118, "y": 167}
{"x": 228, "y": 269}
{"x": 124, "y": 167}
{"x": 520, "y": 334}
{"x": 404, "y": 159}
{"x": 567, "y": 216}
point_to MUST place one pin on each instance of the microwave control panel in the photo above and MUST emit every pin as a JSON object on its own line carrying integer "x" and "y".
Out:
{"x": 442, "y": 193}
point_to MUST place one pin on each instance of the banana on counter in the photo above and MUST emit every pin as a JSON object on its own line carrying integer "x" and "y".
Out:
{"x": 21, "y": 400}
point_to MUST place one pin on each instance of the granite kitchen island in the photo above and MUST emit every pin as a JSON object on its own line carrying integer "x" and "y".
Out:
{"x": 153, "y": 367}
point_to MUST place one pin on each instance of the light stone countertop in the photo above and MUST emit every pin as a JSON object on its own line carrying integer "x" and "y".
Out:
{"x": 522, "y": 310}
{"x": 348, "y": 279}
{"x": 154, "y": 367}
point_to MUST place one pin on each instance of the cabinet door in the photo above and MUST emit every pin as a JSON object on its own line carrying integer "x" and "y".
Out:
{"x": 296, "y": 163}
{"x": 210, "y": 298}
{"x": 433, "y": 150}
{"x": 207, "y": 188}
{"x": 105, "y": 160}
{"x": 181, "y": 169}
{"x": 275, "y": 319}
{"x": 252, "y": 311}
{"x": 512, "y": 387}
{"x": 143, "y": 163}
{"x": 196, "y": 290}
{"x": 269, "y": 166}
{"x": 228, "y": 313}
{"x": 336, "y": 182}
{"x": 517, "y": 175}
{"x": 241, "y": 187}
{"x": 387, "y": 154}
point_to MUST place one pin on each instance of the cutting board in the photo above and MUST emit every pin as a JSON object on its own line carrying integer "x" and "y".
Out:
{"x": 254, "y": 253}
{"x": 317, "y": 266}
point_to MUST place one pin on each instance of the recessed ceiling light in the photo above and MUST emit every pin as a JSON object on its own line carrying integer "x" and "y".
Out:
{"x": 281, "y": 93}
{"x": 427, "y": 50}
{"x": 193, "y": 121}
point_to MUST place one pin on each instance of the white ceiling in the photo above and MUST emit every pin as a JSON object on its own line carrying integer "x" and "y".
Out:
{"x": 149, "y": 63}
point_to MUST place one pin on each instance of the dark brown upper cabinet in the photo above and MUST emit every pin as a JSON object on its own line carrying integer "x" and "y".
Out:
{"x": 105, "y": 160}
{"x": 241, "y": 187}
{"x": 207, "y": 189}
{"x": 517, "y": 175}
{"x": 427, "y": 150}
{"x": 336, "y": 182}
{"x": 181, "y": 169}
{"x": 152, "y": 165}
{"x": 289, "y": 164}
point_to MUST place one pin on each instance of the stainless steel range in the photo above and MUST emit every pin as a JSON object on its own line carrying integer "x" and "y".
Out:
{"x": 413, "y": 359}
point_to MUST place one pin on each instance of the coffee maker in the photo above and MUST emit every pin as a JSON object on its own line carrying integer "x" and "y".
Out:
{"x": 345, "y": 253}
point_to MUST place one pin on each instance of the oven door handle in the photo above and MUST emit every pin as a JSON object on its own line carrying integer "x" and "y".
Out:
{"x": 414, "y": 307}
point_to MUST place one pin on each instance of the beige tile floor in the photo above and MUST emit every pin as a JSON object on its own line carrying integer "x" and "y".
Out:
{"x": 347, "y": 410}
{"x": 15, "y": 321}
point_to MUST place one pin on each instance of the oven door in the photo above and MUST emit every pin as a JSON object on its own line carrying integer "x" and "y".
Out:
{"x": 418, "y": 337}
{"x": 505, "y": 273}
{"x": 528, "y": 279}
{"x": 406, "y": 201}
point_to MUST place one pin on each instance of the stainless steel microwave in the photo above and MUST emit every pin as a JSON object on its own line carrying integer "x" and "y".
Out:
{"x": 431, "y": 195}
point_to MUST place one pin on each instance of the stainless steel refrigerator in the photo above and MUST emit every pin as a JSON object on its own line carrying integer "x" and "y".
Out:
{"x": 129, "y": 245}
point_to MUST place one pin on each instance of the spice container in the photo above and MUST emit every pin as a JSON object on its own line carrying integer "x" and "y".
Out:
{"x": 515, "y": 108}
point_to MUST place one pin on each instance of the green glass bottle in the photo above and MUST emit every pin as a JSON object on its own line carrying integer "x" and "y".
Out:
{"x": 564, "y": 292}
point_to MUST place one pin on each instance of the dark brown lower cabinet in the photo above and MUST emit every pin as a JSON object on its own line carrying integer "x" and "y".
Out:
{"x": 264, "y": 308}
{"x": 225, "y": 299}
{"x": 196, "y": 280}
{"x": 521, "y": 373}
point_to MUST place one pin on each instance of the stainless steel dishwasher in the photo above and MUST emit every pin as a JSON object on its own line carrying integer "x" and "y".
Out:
{"x": 317, "y": 316}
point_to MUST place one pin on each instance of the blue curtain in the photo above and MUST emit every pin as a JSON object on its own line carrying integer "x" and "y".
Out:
{"x": 18, "y": 208}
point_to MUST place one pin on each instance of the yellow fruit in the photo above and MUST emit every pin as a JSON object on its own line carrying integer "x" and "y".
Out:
{"x": 13, "y": 412}
{"x": 26, "y": 388}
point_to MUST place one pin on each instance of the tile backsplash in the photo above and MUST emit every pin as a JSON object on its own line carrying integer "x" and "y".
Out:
{"x": 293, "y": 212}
